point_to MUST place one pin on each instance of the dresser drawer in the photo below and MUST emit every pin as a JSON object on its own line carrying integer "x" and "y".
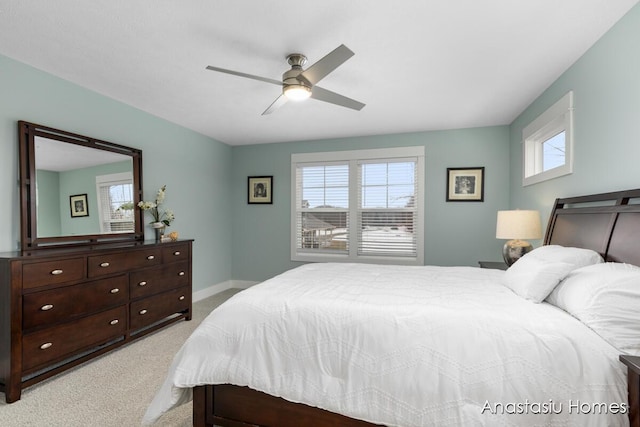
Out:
{"x": 175, "y": 253}
{"x": 155, "y": 280}
{"x": 50, "y": 307}
{"x": 54, "y": 344}
{"x": 100, "y": 265}
{"x": 52, "y": 272}
{"x": 150, "y": 310}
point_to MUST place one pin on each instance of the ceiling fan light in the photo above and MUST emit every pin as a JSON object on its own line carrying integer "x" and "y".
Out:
{"x": 297, "y": 92}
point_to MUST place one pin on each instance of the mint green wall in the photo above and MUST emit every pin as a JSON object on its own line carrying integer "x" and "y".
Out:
{"x": 83, "y": 181}
{"x": 455, "y": 233}
{"x": 195, "y": 168}
{"x": 606, "y": 85}
{"x": 48, "y": 203}
{"x": 206, "y": 180}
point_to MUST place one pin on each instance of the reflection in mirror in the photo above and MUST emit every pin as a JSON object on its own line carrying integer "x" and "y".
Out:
{"x": 106, "y": 178}
{"x": 76, "y": 190}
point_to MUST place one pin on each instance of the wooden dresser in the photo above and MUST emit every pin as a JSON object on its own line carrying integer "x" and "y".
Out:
{"x": 62, "y": 307}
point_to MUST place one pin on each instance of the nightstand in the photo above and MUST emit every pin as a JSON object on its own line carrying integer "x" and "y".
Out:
{"x": 496, "y": 265}
{"x": 633, "y": 381}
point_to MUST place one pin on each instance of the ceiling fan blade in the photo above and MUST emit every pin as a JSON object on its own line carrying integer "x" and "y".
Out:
{"x": 249, "y": 76}
{"x": 279, "y": 102}
{"x": 327, "y": 96}
{"x": 327, "y": 64}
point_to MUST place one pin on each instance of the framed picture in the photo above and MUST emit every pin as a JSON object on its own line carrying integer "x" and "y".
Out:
{"x": 260, "y": 190}
{"x": 465, "y": 184}
{"x": 78, "y": 205}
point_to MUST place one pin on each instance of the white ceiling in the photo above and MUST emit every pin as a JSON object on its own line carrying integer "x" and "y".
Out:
{"x": 419, "y": 64}
{"x": 58, "y": 156}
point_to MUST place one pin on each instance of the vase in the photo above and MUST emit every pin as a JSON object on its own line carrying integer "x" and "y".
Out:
{"x": 159, "y": 227}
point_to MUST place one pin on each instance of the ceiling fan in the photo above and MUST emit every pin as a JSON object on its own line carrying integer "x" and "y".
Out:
{"x": 298, "y": 84}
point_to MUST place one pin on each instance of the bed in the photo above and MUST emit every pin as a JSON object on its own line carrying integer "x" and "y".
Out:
{"x": 362, "y": 345}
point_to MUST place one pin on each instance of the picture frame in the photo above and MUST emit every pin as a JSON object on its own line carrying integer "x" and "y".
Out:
{"x": 465, "y": 184}
{"x": 260, "y": 190}
{"x": 78, "y": 205}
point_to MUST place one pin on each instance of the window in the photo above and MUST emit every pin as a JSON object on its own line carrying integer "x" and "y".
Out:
{"x": 115, "y": 203}
{"x": 548, "y": 143}
{"x": 361, "y": 205}
{"x": 554, "y": 152}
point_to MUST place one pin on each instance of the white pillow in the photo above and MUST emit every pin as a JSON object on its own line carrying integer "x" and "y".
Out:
{"x": 605, "y": 297}
{"x": 533, "y": 278}
{"x": 536, "y": 274}
{"x": 579, "y": 257}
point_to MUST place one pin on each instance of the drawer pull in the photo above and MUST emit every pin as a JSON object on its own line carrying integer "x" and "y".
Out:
{"x": 143, "y": 311}
{"x": 46, "y": 345}
{"x": 143, "y": 283}
{"x": 181, "y": 298}
{"x": 150, "y": 257}
{"x": 56, "y": 272}
{"x": 104, "y": 264}
{"x": 181, "y": 273}
{"x": 176, "y": 253}
{"x": 46, "y": 307}
{"x": 114, "y": 322}
{"x": 114, "y": 290}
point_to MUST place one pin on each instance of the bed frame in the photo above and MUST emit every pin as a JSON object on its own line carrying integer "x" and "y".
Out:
{"x": 608, "y": 223}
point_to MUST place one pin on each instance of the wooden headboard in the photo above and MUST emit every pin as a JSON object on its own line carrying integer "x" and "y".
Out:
{"x": 608, "y": 223}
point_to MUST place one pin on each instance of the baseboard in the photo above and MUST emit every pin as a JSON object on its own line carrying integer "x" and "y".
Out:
{"x": 220, "y": 287}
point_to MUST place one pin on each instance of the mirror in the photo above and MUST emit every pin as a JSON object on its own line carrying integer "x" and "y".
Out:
{"x": 76, "y": 190}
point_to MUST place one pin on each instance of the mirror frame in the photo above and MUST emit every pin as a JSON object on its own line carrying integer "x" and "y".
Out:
{"x": 29, "y": 239}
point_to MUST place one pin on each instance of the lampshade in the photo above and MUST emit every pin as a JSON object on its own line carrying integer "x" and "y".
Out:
{"x": 296, "y": 92}
{"x": 518, "y": 224}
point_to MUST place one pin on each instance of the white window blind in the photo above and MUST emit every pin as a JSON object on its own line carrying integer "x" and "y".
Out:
{"x": 322, "y": 203}
{"x": 387, "y": 208}
{"x": 358, "y": 205}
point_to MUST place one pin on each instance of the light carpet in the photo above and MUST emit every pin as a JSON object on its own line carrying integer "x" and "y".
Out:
{"x": 114, "y": 389}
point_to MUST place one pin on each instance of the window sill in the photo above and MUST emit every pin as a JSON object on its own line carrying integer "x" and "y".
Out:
{"x": 360, "y": 259}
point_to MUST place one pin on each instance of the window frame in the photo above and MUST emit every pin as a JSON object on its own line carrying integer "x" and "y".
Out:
{"x": 352, "y": 157}
{"x": 108, "y": 180}
{"x": 556, "y": 119}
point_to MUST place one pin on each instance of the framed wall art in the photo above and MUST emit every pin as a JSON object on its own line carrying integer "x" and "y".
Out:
{"x": 465, "y": 184}
{"x": 260, "y": 190}
{"x": 78, "y": 205}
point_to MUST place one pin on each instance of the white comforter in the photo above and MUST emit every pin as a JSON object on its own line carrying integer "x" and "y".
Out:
{"x": 404, "y": 346}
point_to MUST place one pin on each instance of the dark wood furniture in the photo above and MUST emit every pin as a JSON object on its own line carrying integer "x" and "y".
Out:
{"x": 38, "y": 143}
{"x": 78, "y": 290}
{"x": 633, "y": 379}
{"x": 61, "y": 307}
{"x": 224, "y": 404}
{"x": 608, "y": 223}
{"x": 496, "y": 265}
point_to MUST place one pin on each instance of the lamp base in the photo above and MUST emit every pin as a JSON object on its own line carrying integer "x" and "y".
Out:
{"x": 513, "y": 250}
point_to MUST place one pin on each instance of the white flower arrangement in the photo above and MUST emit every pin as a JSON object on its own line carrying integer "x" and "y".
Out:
{"x": 158, "y": 215}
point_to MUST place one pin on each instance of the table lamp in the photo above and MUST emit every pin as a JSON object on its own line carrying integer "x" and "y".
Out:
{"x": 517, "y": 225}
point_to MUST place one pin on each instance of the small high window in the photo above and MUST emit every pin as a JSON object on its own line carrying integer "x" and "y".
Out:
{"x": 548, "y": 143}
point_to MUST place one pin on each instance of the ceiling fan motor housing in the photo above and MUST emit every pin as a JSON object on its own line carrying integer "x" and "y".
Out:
{"x": 290, "y": 78}
{"x": 296, "y": 60}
